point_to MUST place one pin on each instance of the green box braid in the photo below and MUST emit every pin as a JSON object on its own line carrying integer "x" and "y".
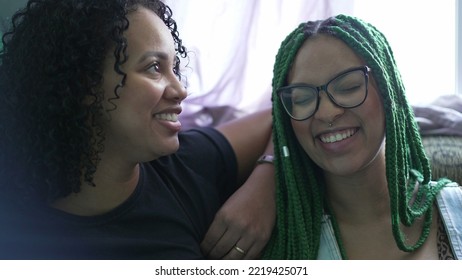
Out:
{"x": 300, "y": 199}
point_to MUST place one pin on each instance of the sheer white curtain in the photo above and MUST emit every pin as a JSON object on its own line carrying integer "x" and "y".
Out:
{"x": 422, "y": 35}
{"x": 232, "y": 45}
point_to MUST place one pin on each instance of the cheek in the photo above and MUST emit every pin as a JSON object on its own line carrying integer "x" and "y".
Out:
{"x": 141, "y": 96}
{"x": 302, "y": 132}
{"x": 375, "y": 114}
{"x": 375, "y": 105}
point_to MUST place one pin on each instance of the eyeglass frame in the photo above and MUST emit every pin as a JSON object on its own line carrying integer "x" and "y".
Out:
{"x": 365, "y": 69}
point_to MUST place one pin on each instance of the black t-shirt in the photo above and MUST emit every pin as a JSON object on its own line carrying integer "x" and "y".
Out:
{"x": 166, "y": 217}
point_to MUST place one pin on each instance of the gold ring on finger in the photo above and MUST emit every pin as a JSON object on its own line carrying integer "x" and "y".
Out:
{"x": 239, "y": 250}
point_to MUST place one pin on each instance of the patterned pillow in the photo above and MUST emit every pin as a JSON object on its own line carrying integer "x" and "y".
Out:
{"x": 445, "y": 154}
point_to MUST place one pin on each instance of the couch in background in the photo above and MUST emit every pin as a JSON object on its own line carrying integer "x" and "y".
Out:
{"x": 445, "y": 154}
{"x": 440, "y": 125}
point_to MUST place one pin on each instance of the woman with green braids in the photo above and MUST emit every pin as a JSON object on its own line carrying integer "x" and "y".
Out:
{"x": 353, "y": 178}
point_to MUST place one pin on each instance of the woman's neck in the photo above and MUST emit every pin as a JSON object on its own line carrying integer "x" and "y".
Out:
{"x": 361, "y": 197}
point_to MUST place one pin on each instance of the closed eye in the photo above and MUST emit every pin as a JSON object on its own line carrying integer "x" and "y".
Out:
{"x": 302, "y": 99}
{"x": 302, "y": 96}
{"x": 348, "y": 88}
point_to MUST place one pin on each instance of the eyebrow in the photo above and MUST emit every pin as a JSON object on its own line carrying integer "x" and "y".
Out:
{"x": 161, "y": 55}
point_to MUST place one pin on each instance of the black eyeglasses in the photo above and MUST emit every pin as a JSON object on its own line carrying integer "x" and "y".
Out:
{"x": 348, "y": 90}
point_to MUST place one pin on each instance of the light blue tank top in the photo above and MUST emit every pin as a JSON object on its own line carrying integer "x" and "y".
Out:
{"x": 449, "y": 202}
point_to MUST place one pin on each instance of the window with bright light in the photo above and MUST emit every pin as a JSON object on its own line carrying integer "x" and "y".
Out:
{"x": 422, "y": 35}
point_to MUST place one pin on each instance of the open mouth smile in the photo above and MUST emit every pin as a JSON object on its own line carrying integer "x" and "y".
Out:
{"x": 337, "y": 136}
{"x": 172, "y": 117}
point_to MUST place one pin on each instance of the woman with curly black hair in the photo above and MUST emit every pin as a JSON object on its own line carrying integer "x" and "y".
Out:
{"x": 92, "y": 159}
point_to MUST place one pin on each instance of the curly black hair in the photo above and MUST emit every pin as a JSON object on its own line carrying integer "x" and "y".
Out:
{"x": 51, "y": 69}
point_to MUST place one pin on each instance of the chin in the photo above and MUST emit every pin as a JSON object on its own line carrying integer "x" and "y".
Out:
{"x": 170, "y": 149}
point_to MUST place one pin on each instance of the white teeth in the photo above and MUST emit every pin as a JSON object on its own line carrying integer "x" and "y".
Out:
{"x": 337, "y": 136}
{"x": 167, "y": 117}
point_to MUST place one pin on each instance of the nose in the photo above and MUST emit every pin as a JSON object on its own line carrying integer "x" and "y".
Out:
{"x": 175, "y": 90}
{"x": 327, "y": 110}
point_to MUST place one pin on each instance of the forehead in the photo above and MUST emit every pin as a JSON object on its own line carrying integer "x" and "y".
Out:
{"x": 320, "y": 58}
{"x": 147, "y": 33}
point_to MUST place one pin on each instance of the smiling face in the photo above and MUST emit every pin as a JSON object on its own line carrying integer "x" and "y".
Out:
{"x": 142, "y": 124}
{"x": 356, "y": 136}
